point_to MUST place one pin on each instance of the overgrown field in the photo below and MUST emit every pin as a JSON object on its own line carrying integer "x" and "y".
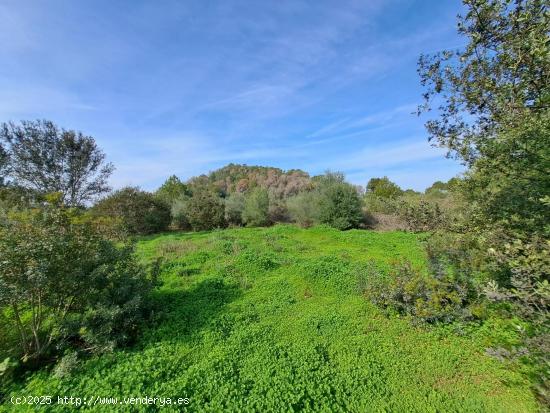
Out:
{"x": 273, "y": 319}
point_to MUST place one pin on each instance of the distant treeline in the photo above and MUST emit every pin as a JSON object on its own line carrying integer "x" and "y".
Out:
{"x": 242, "y": 195}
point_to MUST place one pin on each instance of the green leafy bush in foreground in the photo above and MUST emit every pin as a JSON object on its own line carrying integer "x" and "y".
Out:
{"x": 62, "y": 286}
{"x": 427, "y": 297}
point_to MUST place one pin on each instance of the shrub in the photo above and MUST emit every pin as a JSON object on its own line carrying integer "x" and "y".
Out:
{"x": 64, "y": 285}
{"x": 340, "y": 205}
{"x": 376, "y": 204}
{"x": 440, "y": 296}
{"x": 178, "y": 212}
{"x": 422, "y": 216}
{"x": 234, "y": 207}
{"x": 304, "y": 208}
{"x": 527, "y": 289}
{"x": 256, "y": 208}
{"x": 277, "y": 210}
{"x": 66, "y": 365}
{"x": 17, "y": 197}
{"x": 138, "y": 212}
{"x": 205, "y": 211}
{"x": 384, "y": 222}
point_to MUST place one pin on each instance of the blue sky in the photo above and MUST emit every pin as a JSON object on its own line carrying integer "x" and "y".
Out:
{"x": 184, "y": 87}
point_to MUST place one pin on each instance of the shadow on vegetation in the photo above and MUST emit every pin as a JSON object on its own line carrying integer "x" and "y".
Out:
{"x": 177, "y": 235}
{"x": 182, "y": 314}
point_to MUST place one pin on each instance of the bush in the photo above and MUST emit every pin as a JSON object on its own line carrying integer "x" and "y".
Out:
{"x": 304, "y": 208}
{"x": 340, "y": 205}
{"x": 65, "y": 286}
{"x": 205, "y": 211}
{"x": 439, "y": 296}
{"x": 179, "y": 214}
{"x": 277, "y": 210}
{"x": 256, "y": 208}
{"x": 138, "y": 212}
{"x": 527, "y": 288}
{"x": 234, "y": 207}
{"x": 384, "y": 222}
{"x": 376, "y": 204}
{"x": 422, "y": 216}
{"x": 16, "y": 197}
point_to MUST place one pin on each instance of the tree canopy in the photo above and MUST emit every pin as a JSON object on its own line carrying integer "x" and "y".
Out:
{"x": 172, "y": 189}
{"x": 383, "y": 188}
{"x": 40, "y": 156}
{"x": 494, "y": 110}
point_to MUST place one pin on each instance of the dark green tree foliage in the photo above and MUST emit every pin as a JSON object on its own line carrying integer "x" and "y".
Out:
{"x": 340, "y": 205}
{"x": 137, "y": 211}
{"x": 495, "y": 110}
{"x": 47, "y": 159}
{"x": 441, "y": 189}
{"x": 205, "y": 211}
{"x": 3, "y": 164}
{"x": 17, "y": 197}
{"x": 256, "y": 208}
{"x": 494, "y": 115}
{"x": 502, "y": 75}
{"x": 509, "y": 186}
{"x": 171, "y": 190}
{"x": 61, "y": 284}
{"x": 384, "y": 188}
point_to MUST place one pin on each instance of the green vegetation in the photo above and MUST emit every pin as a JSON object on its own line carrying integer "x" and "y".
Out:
{"x": 135, "y": 211}
{"x": 450, "y": 313}
{"x": 275, "y": 320}
{"x": 492, "y": 98}
{"x": 256, "y": 208}
{"x": 339, "y": 202}
{"x": 39, "y": 156}
{"x": 204, "y": 211}
{"x": 64, "y": 287}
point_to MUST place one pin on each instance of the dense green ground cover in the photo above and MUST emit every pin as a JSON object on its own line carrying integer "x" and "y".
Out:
{"x": 273, "y": 319}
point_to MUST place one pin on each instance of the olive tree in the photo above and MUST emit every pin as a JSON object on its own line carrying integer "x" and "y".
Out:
{"x": 42, "y": 157}
{"x": 61, "y": 282}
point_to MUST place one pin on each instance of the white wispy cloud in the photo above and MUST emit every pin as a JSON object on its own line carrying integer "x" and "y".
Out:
{"x": 23, "y": 100}
{"x": 343, "y": 127}
{"x": 388, "y": 154}
{"x": 183, "y": 88}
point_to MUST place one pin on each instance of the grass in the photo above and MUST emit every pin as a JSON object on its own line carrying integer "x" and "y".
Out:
{"x": 273, "y": 319}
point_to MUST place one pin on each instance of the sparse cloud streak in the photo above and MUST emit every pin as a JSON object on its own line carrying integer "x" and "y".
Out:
{"x": 181, "y": 87}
